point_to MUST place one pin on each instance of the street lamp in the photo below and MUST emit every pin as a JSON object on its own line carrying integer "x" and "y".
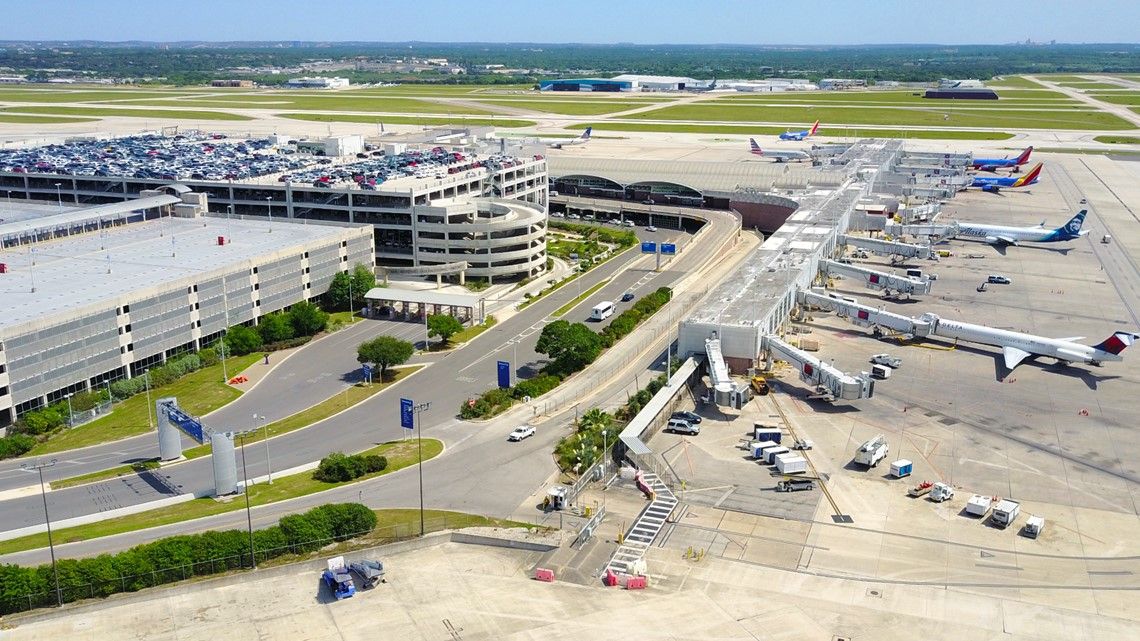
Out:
{"x": 269, "y": 206}
{"x": 70, "y": 414}
{"x": 40, "y": 467}
{"x": 265, "y": 437}
{"x": 416, "y": 410}
{"x": 245, "y": 491}
{"x": 59, "y": 196}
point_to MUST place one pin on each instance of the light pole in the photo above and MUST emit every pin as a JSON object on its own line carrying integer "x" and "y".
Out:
{"x": 605, "y": 463}
{"x": 149, "y": 407}
{"x": 245, "y": 491}
{"x": 58, "y": 196}
{"x": 269, "y": 207}
{"x": 40, "y": 467}
{"x": 70, "y": 414}
{"x": 265, "y": 437}
{"x": 416, "y": 409}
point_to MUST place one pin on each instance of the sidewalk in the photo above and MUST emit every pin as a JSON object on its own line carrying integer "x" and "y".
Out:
{"x": 259, "y": 370}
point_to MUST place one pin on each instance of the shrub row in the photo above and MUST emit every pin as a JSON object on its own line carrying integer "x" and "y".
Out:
{"x": 495, "y": 401}
{"x": 339, "y": 467}
{"x": 179, "y": 557}
{"x": 15, "y": 445}
{"x": 625, "y": 322}
{"x": 604, "y": 234}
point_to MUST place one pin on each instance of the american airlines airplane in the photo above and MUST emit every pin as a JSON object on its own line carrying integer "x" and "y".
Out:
{"x": 1016, "y": 346}
{"x": 779, "y": 156}
{"x": 1003, "y": 235}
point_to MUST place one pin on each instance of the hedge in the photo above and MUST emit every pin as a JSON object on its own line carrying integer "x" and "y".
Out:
{"x": 340, "y": 468}
{"x": 177, "y": 558}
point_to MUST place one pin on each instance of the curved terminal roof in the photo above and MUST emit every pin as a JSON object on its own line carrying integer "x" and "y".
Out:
{"x": 722, "y": 178}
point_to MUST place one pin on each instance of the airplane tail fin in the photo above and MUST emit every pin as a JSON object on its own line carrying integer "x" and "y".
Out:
{"x": 1024, "y": 157}
{"x": 755, "y": 148}
{"x": 1117, "y": 342}
{"x": 586, "y": 134}
{"x": 1029, "y": 176}
{"x": 1072, "y": 229}
{"x": 814, "y": 128}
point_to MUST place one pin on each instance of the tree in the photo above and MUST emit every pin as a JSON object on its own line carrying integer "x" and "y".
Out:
{"x": 339, "y": 290}
{"x": 355, "y": 283}
{"x": 274, "y": 328}
{"x": 571, "y": 347}
{"x": 239, "y": 340}
{"x": 384, "y": 352}
{"x": 443, "y": 325}
{"x": 307, "y": 319}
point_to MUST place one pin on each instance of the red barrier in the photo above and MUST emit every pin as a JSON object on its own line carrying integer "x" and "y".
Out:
{"x": 543, "y": 574}
{"x": 636, "y": 583}
{"x": 610, "y": 579}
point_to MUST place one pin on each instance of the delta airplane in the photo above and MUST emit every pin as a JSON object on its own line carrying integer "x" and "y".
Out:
{"x": 559, "y": 143}
{"x": 994, "y": 184}
{"x": 1003, "y": 235}
{"x": 779, "y": 156}
{"x": 800, "y": 135}
{"x": 993, "y": 164}
{"x": 1016, "y": 346}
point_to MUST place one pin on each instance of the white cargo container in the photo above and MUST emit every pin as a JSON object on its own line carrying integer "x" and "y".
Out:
{"x": 771, "y": 453}
{"x": 759, "y": 446}
{"x": 789, "y": 463}
{"x": 978, "y": 505}
{"x": 901, "y": 468}
{"x": 1033, "y": 526}
{"x": 1005, "y": 512}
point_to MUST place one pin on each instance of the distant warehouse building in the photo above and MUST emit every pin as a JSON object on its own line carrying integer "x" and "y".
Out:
{"x": 585, "y": 84}
{"x": 961, "y": 93}
{"x": 317, "y": 83}
{"x": 231, "y": 83}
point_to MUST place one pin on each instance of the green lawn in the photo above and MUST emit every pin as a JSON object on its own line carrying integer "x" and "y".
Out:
{"x": 569, "y": 107}
{"x": 470, "y": 333}
{"x": 17, "y": 118}
{"x": 908, "y": 97}
{"x": 72, "y": 95}
{"x": 400, "y": 454}
{"x": 1061, "y": 78}
{"x": 1015, "y": 81}
{"x": 198, "y": 393}
{"x": 1118, "y": 140}
{"x": 937, "y": 116}
{"x": 335, "y": 102}
{"x": 352, "y": 395}
{"x": 1130, "y": 98}
{"x": 1090, "y": 85}
{"x": 583, "y": 296}
{"x": 746, "y": 130}
{"x": 409, "y": 120}
{"x": 156, "y": 114}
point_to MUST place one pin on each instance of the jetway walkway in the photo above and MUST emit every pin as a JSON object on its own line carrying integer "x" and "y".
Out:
{"x": 872, "y": 279}
{"x": 936, "y": 233}
{"x": 826, "y": 378}
{"x": 863, "y": 315}
{"x": 881, "y": 247}
{"x": 722, "y": 383}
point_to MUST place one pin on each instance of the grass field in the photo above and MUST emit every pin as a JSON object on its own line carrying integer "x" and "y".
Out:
{"x": 470, "y": 333}
{"x": 569, "y": 107}
{"x": 1015, "y": 81}
{"x": 378, "y": 104}
{"x": 400, "y": 454}
{"x": 1061, "y": 78}
{"x": 17, "y": 118}
{"x": 156, "y": 114}
{"x": 561, "y": 311}
{"x": 1118, "y": 140}
{"x": 72, "y": 95}
{"x": 1090, "y": 85}
{"x": 888, "y": 97}
{"x": 1131, "y": 98}
{"x": 936, "y": 116}
{"x": 749, "y": 130}
{"x": 198, "y": 393}
{"x": 409, "y": 120}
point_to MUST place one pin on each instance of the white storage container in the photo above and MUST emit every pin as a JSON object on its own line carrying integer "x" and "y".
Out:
{"x": 789, "y": 463}
{"x": 771, "y": 453}
{"x": 759, "y": 446}
{"x": 978, "y": 505}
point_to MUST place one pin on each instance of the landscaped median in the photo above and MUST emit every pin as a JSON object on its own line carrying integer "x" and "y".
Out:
{"x": 399, "y": 454}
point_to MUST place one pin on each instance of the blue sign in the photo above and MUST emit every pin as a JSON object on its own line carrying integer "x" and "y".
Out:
{"x": 407, "y": 414}
{"x": 504, "y": 374}
{"x": 366, "y": 372}
{"x": 668, "y": 248}
{"x": 188, "y": 424}
{"x": 649, "y": 248}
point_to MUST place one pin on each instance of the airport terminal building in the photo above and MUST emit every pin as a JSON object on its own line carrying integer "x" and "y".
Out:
{"x": 97, "y": 294}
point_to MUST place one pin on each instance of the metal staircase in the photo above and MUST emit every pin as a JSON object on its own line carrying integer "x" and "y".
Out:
{"x": 646, "y": 527}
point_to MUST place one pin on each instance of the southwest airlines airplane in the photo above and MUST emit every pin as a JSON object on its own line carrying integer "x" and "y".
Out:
{"x": 994, "y": 184}
{"x": 800, "y": 135}
{"x": 993, "y": 164}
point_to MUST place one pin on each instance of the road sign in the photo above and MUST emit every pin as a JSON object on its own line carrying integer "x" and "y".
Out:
{"x": 407, "y": 414}
{"x": 504, "y": 374}
{"x": 366, "y": 372}
{"x": 669, "y": 249}
{"x": 649, "y": 248}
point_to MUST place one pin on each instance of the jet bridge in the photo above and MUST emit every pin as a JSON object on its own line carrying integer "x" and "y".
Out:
{"x": 722, "y": 383}
{"x": 865, "y": 316}
{"x": 872, "y": 279}
{"x": 891, "y": 248}
{"x": 826, "y": 378}
{"x": 936, "y": 233}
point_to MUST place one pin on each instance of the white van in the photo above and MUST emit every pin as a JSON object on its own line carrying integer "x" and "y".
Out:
{"x": 602, "y": 311}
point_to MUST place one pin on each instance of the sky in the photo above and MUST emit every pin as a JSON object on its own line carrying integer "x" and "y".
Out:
{"x": 839, "y": 22}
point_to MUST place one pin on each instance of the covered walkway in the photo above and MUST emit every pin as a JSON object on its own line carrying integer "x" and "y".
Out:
{"x": 411, "y": 304}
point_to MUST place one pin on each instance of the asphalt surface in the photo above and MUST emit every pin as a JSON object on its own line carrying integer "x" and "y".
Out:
{"x": 328, "y": 365}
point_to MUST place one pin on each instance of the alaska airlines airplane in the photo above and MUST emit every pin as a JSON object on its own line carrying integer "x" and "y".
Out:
{"x": 993, "y": 164}
{"x": 559, "y": 143}
{"x": 779, "y": 156}
{"x": 800, "y": 135}
{"x": 1002, "y": 235}
{"x": 994, "y": 184}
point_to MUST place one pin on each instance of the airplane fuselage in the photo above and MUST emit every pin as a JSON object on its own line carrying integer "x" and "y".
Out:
{"x": 992, "y": 233}
{"x": 1062, "y": 350}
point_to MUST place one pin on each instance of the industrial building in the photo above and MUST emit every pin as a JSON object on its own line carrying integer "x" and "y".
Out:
{"x": 317, "y": 83}
{"x": 625, "y": 82}
{"x": 97, "y": 294}
{"x": 585, "y": 84}
{"x": 961, "y": 93}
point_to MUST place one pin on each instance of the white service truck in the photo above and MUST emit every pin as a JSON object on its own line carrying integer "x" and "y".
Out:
{"x": 873, "y": 451}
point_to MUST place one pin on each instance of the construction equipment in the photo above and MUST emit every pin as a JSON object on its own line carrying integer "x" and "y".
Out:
{"x": 760, "y": 385}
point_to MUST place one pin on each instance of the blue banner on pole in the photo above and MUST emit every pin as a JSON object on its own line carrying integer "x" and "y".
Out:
{"x": 649, "y": 248}
{"x": 366, "y": 371}
{"x": 669, "y": 248}
{"x": 504, "y": 374}
{"x": 407, "y": 414}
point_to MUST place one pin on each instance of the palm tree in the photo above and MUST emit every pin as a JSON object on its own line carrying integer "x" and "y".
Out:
{"x": 594, "y": 420}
